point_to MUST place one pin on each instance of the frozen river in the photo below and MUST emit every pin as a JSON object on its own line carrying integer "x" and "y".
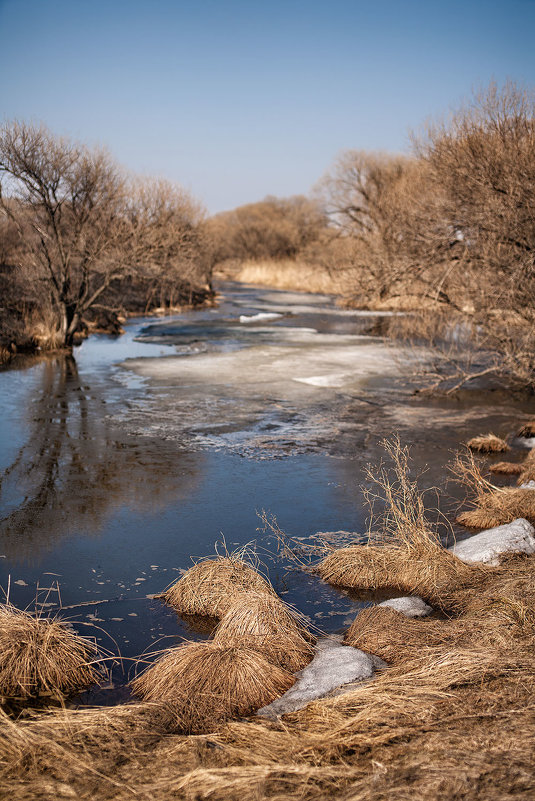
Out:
{"x": 123, "y": 463}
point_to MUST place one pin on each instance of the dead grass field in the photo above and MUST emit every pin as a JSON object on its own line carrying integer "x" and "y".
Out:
{"x": 286, "y": 274}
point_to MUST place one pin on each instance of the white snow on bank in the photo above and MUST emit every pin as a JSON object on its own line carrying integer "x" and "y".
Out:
{"x": 489, "y": 545}
{"x": 410, "y": 606}
{"x": 254, "y": 318}
{"x": 333, "y": 666}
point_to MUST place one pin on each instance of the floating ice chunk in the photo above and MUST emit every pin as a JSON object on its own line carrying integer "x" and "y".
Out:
{"x": 253, "y": 318}
{"x": 487, "y": 546}
{"x": 21, "y": 583}
{"x": 333, "y": 665}
{"x": 411, "y": 606}
{"x": 332, "y": 380}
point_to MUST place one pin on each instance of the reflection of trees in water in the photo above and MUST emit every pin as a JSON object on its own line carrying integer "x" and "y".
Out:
{"x": 74, "y": 470}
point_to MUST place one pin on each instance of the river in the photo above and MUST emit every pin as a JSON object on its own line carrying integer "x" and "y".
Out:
{"x": 123, "y": 463}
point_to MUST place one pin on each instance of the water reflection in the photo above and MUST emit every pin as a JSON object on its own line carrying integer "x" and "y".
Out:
{"x": 74, "y": 469}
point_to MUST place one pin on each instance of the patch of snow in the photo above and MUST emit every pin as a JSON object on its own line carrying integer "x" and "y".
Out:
{"x": 528, "y": 485}
{"x": 525, "y": 442}
{"x": 332, "y": 380}
{"x": 333, "y": 666}
{"x": 253, "y": 318}
{"x": 411, "y": 606}
{"x": 487, "y": 546}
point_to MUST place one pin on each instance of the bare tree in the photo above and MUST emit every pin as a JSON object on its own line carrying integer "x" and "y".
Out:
{"x": 67, "y": 202}
{"x": 169, "y": 243}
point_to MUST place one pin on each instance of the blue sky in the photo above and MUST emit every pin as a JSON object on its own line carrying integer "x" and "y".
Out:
{"x": 237, "y": 100}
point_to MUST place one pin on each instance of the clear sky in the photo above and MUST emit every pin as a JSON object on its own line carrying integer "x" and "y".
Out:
{"x": 237, "y": 100}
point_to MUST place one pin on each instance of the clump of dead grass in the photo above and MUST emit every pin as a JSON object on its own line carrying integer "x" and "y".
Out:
{"x": 208, "y": 683}
{"x": 210, "y": 586}
{"x": 266, "y": 625}
{"x": 387, "y": 633}
{"x": 492, "y": 505}
{"x": 488, "y": 443}
{"x": 411, "y": 558}
{"x": 42, "y": 656}
{"x": 499, "y": 507}
{"x": 527, "y": 429}
{"x": 525, "y": 470}
{"x": 506, "y": 468}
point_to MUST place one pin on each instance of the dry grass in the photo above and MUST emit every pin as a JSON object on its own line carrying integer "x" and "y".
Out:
{"x": 209, "y": 587}
{"x": 506, "y": 468}
{"x": 453, "y": 718}
{"x": 424, "y": 569}
{"x": 488, "y": 443}
{"x": 41, "y": 655}
{"x": 266, "y": 625}
{"x": 525, "y": 469}
{"x": 498, "y": 507}
{"x": 391, "y": 635}
{"x": 411, "y": 558}
{"x": 492, "y": 505}
{"x": 527, "y": 430}
{"x": 208, "y": 683}
{"x": 288, "y": 274}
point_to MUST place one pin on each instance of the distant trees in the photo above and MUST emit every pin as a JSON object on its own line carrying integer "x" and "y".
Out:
{"x": 81, "y": 224}
{"x": 274, "y": 228}
{"x": 453, "y": 223}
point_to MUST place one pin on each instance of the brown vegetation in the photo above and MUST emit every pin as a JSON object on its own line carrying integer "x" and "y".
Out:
{"x": 525, "y": 470}
{"x": 265, "y": 624}
{"x": 210, "y": 587}
{"x": 527, "y": 430}
{"x": 41, "y": 655}
{"x": 205, "y": 684}
{"x": 488, "y": 443}
{"x": 493, "y": 506}
{"x": 77, "y": 227}
{"x": 451, "y": 718}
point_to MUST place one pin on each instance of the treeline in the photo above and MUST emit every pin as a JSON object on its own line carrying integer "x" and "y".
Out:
{"x": 447, "y": 231}
{"x": 82, "y": 243}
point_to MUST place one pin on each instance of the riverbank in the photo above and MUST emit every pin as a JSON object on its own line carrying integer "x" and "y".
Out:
{"x": 442, "y": 719}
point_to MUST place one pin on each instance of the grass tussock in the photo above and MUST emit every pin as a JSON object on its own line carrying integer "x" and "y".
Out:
{"x": 266, "y": 625}
{"x": 492, "y": 505}
{"x": 525, "y": 470}
{"x": 506, "y": 468}
{"x": 410, "y": 557}
{"x": 488, "y": 443}
{"x": 208, "y": 683}
{"x": 209, "y": 587}
{"x": 527, "y": 429}
{"x": 499, "y": 507}
{"x": 42, "y": 656}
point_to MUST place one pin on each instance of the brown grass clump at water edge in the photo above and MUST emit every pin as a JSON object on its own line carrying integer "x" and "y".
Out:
{"x": 266, "y": 625}
{"x": 527, "y": 430}
{"x": 498, "y": 507}
{"x": 208, "y": 683}
{"x": 506, "y": 468}
{"x": 41, "y": 655}
{"x": 488, "y": 443}
{"x": 209, "y": 587}
{"x": 387, "y": 633}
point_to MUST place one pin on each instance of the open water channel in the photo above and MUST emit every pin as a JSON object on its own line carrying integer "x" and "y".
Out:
{"x": 120, "y": 465}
